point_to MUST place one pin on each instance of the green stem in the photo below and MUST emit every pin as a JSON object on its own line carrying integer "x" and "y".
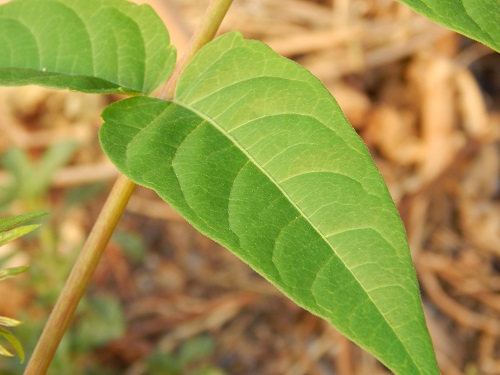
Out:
{"x": 80, "y": 276}
{"x": 87, "y": 261}
{"x": 205, "y": 32}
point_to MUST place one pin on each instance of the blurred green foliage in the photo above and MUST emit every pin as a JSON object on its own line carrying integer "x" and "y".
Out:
{"x": 190, "y": 359}
{"x": 10, "y": 229}
{"x": 100, "y": 316}
{"x": 31, "y": 179}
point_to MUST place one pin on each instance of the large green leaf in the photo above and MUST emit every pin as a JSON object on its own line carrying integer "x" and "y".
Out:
{"x": 256, "y": 154}
{"x": 477, "y": 19}
{"x": 90, "y": 46}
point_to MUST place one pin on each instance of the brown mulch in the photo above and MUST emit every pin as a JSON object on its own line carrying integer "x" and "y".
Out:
{"x": 427, "y": 103}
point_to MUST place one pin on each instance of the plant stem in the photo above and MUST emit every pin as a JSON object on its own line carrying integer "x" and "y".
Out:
{"x": 80, "y": 276}
{"x": 87, "y": 261}
{"x": 205, "y": 32}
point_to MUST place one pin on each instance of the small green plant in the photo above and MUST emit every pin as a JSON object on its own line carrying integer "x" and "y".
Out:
{"x": 9, "y": 231}
{"x": 6, "y": 322}
{"x": 249, "y": 147}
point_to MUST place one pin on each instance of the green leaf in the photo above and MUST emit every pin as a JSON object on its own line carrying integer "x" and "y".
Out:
{"x": 15, "y": 233}
{"x": 99, "y": 46}
{"x": 13, "y": 341}
{"x": 9, "y": 322}
{"x": 256, "y": 154}
{"x": 8, "y": 233}
{"x": 10, "y": 222}
{"x": 5, "y": 273}
{"x": 4, "y": 352}
{"x": 477, "y": 19}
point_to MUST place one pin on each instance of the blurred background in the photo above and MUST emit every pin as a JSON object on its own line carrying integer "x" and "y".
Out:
{"x": 166, "y": 300}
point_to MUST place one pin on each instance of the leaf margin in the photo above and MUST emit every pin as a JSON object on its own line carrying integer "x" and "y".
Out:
{"x": 105, "y": 138}
{"x": 158, "y": 64}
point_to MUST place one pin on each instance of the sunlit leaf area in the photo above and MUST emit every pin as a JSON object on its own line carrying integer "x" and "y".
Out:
{"x": 165, "y": 299}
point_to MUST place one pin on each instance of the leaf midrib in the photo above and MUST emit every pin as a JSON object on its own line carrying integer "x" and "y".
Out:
{"x": 301, "y": 212}
{"x": 90, "y": 39}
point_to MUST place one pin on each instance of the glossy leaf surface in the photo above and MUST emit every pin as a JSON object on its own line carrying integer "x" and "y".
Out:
{"x": 256, "y": 154}
{"x": 100, "y": 46}
{"x": 477, "y": 19}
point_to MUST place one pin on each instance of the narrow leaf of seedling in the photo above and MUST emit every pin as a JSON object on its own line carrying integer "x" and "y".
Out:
{"x": 477, "y": 19}
{"x": 4, "y": 352}
{"x": 5, "y": 273}
{"x": 8, "y": 322}
{"x": 98, "y": 46}
{"x": 11, "y": 235}
{"x": 256, "y": 154}
{"x": 12, "y": 341}
{"x": 12, "y": 221}
{"x": 9, "y": 232}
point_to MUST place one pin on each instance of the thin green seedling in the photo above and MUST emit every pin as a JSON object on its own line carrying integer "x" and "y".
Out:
{"x": 104, "y": 315}
{"x": 10, "y": 230}
{"x": 249, "y": 147}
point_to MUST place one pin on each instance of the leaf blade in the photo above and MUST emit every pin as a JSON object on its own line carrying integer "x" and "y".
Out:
{"x": 7, "y": 335}
{"x": 12, "y": 221}
{"x": 9, "y": 322}
{"x": 5, "y": 273}
{"x": 98, "y": 46}
{"x": 476, "y": 19}
{"x": 256, "y": 154}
